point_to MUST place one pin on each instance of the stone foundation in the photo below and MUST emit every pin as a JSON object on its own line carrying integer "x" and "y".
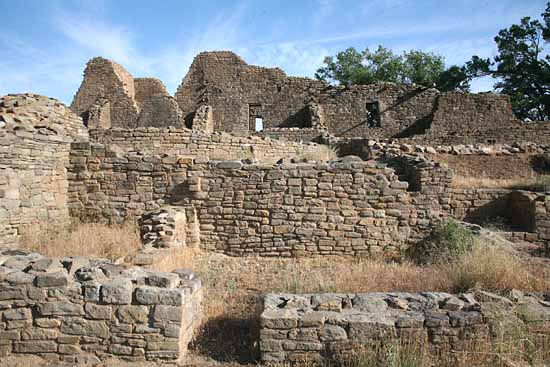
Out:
{"x": 78, "y": 310}
{"x": 320, "y": 327}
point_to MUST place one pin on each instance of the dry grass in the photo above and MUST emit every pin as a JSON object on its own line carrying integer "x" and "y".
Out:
{"x": 492, "y": 268}
{"x": 234, "y": 287}
{"x": 537, "y": 183}
{"x": 113, "y": 242}
{"x": 323, "y": 153}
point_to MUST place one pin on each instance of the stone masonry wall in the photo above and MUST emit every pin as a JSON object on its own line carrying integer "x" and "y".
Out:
{"x": 83, "y": 311}
{"x": 239, "y": 92}
{"x": 35, "y": 137}
{"x": 195, "y": 143}
{"x": 347, "y": 207}
{"x": 404, "y": 110}
{"x": 328, "y": 327}
{"x": 105, "y": 79}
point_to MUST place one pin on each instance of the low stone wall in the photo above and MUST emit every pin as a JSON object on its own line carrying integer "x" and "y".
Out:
{"x": 319, "y": 327}
{"x": 80, "y": 310}
{"x": 177, "y": 141}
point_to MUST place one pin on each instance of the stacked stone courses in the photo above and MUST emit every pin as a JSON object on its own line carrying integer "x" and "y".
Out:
{"x": 79, "y": 310}
{"x": 297, "y": 109}
{"x": 35, "y": 137}
{"x": 321, "y": 327}
{"x": 185, "y": 142}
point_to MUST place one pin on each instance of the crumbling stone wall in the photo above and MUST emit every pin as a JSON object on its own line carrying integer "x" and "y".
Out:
{"x": 107, "y": 80}
{"x": 239, "y": 92}
{"x": 35, "y": 137}
{"x": 83, "y": 311}
{"x": 328, "y": 327}
{"x": 109, "y": 97}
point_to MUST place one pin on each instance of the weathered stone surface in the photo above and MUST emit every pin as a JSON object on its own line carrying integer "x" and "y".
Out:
{"x": 133, "y": 314}
{"x": 60, "y": 309}
{"x": 79, "y": 326}
{"x": 55, "y": 279}
{"x": 118, "y": 291}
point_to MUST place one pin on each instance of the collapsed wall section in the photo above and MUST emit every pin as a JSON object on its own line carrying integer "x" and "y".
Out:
{"x": 82, "y": 311}
{"x": 35, "y": 137}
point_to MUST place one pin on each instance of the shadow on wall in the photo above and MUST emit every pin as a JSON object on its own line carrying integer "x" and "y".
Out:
{"x": 511, "y": 213}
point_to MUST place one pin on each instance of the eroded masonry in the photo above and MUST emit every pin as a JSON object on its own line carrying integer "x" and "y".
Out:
{"x": 230, "y": 165}
{"x": 223, "y": 93}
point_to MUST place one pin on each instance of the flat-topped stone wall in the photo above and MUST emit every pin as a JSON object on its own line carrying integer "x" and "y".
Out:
{"x": 79, "y": 310}
{"x": 321, "y": 327}
{"x": 193, "y": 143}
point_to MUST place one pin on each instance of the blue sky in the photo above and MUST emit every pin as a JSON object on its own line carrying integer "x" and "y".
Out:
{"x": 45, "y": 43}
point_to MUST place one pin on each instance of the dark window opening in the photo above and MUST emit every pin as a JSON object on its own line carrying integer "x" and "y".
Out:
{"x": 373, "y": 114}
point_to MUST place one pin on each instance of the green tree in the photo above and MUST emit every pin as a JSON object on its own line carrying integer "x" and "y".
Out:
{"x": 354, "y": 67}
{"x": 522, "y": 67}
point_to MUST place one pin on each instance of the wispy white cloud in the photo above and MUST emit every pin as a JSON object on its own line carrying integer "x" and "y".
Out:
{"x": 111, "y": 41}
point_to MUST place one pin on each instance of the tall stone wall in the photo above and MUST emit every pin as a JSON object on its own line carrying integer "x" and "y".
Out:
{"x": 404, "y": 110}
{"x": 298, "y": 109}
{"x": 239, "y": 92}
{"x": 467, "y": 114}
{"x": 35, "y": 137}
{"x": 107, "y": 80}
{"x": 83, "y": 311}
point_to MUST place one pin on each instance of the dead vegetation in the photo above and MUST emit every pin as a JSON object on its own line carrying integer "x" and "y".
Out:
{"x": 536, "y": 183}
{"x": 234, "y": 288}
{"x": 112, "y": 242}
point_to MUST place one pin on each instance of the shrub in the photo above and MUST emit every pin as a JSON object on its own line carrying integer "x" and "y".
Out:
{"x": 445, "y": 243}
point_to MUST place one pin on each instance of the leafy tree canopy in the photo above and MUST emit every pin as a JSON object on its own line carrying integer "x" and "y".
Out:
{"x": 522, "y": 66}
{"x": 423, "y": 68}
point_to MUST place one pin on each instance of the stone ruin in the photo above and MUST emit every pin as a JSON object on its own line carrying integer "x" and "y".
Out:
{"x": 82, "y": 311}
{"x": 221, "y": 92}
{"x": 193, "y": 172}
{"x": 326, "y": 327}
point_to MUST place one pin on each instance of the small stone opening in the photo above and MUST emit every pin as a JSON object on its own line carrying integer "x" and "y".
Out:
{"x": 373, "y": 114}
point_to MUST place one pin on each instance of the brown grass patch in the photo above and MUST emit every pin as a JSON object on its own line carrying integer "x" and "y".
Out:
{"x": 113, "y": 242}
{"x": 537, "y": 183}
{"x": 234, "y": 287}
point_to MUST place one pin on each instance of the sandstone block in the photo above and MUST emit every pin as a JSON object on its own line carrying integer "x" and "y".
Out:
{"x": 118, "y": 291}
